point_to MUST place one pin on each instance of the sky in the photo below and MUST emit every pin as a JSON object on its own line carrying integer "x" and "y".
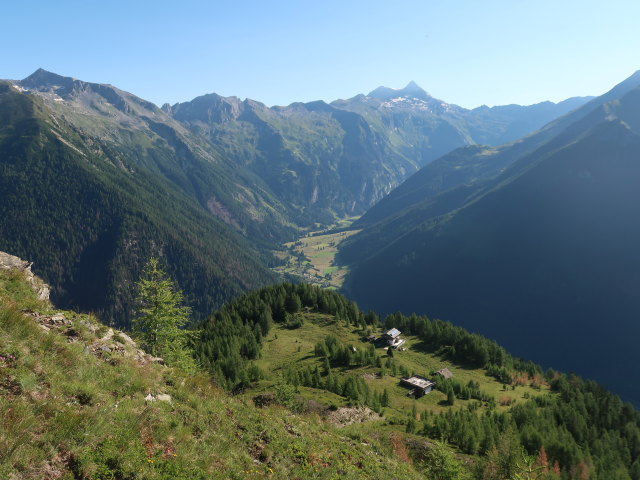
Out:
{"x": 467, "y": 52}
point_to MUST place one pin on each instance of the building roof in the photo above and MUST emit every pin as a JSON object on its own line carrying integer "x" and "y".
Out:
{"x": 418, "y": 381}
{"x": 445, "y": 372}
{"x": 393, "y": 333}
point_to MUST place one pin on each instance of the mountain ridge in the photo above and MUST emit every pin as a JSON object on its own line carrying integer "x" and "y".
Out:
{"x": 237, "y": 172}
{"x": 544, "y": 242}
{"x": 94, "y": 212}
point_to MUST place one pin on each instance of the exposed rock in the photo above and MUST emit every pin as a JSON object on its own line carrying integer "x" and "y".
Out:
{"x": 113, "y": 342}
{"x": 76, "y": 328}
{"x": 124, "y": 339}
{"x": 50, "y": 321}
{"x": 348, "y": 415}
{"x": 159, "y": 397}
{"x": 10, "y": 262}
{"x": 107, "y": 336}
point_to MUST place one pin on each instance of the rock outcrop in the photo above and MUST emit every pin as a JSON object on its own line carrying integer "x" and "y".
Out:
{"x": 101, "y": 341}
{"x": 11, "y": 262}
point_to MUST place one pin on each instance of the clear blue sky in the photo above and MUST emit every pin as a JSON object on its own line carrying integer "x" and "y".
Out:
{"x": 468, "y": 52}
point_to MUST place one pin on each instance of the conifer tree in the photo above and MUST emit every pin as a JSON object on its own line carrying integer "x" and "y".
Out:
{"x": 384, "y": 400}
{"x": 160, "y": 317}
{"x": 451, "y": 398}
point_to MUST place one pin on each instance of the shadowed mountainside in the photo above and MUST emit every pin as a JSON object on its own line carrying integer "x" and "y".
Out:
{"x": 542, "y": 258}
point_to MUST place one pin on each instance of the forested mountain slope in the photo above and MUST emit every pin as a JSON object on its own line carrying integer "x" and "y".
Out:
{"x": 503, "y": 414}
{"x": 132, "y": 133}
{"x": 543, "y": 258}
{"x": 82, "y": 400}
{"x": 89, "y": 209}
{"x": 476, "y": 165}
{"x": 104, "y": 179}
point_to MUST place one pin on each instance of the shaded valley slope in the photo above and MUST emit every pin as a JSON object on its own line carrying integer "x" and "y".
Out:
{"x": 542, "y": 257}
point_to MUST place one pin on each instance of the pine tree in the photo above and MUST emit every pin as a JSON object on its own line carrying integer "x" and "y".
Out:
{"x": 293, "y": 304}
{"x": 160, "y": 317}
{"x": 384, "y": 400}
{"x": 326, "y": 366}
{"x": 451, "y": 398}
{"x": 411, "y": 426}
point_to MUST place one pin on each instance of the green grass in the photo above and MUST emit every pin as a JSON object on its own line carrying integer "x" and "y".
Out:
{"x": 284, "y": 347}
{"x": 15, "y": 290}
{"x": 68, "y": 411}
{"x": 330, "y": 270}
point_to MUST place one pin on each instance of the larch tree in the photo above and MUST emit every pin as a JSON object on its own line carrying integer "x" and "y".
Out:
{"x": 160, "y": 317}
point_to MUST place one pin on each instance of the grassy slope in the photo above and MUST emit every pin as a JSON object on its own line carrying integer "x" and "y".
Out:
{"x": 68, "y": 413}
{"x": 284, "y": 347}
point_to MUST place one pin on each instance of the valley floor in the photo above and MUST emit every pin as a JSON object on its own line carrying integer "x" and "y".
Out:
{"x": 312, "y": 256}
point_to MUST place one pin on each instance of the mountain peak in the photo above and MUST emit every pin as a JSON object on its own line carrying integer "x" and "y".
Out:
{"x": 414, "y": 87}
{"x": 41, "y": 73}
{"x": 44, "y": 77}
{"x": 411, "y": 90}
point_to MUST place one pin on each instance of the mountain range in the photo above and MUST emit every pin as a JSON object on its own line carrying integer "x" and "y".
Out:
{"x": 341, "y": 158}
{"x": 535, "y": 246}
{"x": 95, "y": 179}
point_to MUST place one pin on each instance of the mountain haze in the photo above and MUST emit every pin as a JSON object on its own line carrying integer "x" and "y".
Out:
{"x": 339, "y": 159}
{"x": 541, "y": 257}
